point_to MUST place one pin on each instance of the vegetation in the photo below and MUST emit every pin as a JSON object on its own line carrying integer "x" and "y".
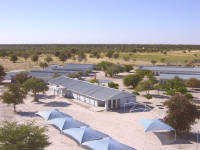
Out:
{"x": 75, "y": 75}
{"x": 193, "y": 83}
{"x": 43, "y": 65}
{"x": 181, "y": 113}
{"x": 20, "y": 78}
{"x": 110, "y": 68}
{"x": 128, "y": 68}
{"x": 94, "y": 81}
{"x": 131, "y": 80}
{"x": 28, "y": 136}
{"x": 13, "y": 58}
{"x": 2, "y": 73}
{"x": 48, "y": 59}
{"x": 174, "y": 86}
{"x": 113, "y": 85}
{"x": 56, "y": 75}
{"x": 14, "y": 95}
{"x": 34, "y": 58}
{"x": 35, "y": 85}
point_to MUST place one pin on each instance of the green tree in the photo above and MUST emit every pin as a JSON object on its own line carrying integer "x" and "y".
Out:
{"x": 43, "y": 65}
{"x": 48, "y": 59}
{"x": 162, "y": 60}
{"x": 34, "y": 58}
{"x": 2, "y": 73}
{"x": 35, "y": 85}
{"x": 146, "y": 86}
{"x": 13, "y": 58}
{"x": 62, "y": 57}
{"x": 81, "y": 57}
{"x": 153, "y": 62}
{"x": 109, "y": 53}
{"x": 115, "y": 55}
{"x": 128, "y": 68}
{"x": 113, "y": 85}
{"x": 131, "y": 80}
{"x": 25, "y": 56}
{"x": 182, "y": 113}
{"x": 14, "y": 95}
{"x": 193, "y": 83}
{"x": 174, "y": 86}
{"x": 20, "y": 78}
{"x": 28, "y": 136}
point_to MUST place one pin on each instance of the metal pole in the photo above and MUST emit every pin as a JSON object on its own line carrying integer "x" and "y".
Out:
{"x": 175, "y": 135}
{"x": 197, "y": 139}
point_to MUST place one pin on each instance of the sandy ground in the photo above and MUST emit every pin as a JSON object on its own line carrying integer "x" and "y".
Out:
{"x": 121, "y": 126}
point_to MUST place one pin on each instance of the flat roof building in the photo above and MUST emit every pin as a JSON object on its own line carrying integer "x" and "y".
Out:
{"x": 171, "y": 69}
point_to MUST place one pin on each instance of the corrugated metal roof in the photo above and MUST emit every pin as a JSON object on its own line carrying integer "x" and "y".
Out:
{"x": 11, "y": 74}
{"x": 88, "y": 89}
{"x": 171, "y": 69}
{"x": 166, "y": 76}
{"x": 78, "y": 66}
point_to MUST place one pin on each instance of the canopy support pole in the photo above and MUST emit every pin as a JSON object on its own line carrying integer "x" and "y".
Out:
{"x": 175, "y": 135}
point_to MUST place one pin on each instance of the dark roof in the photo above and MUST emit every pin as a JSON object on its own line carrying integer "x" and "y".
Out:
{"x": 88, "y": 89}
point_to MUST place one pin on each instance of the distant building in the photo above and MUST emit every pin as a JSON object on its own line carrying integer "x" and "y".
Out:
{"x": 167, "y": 76}
{"x": 10, "y": 75}
{"x": 171, "y": 69}
{"x": 89, "y": 93}
{"x": 51, "y": 70}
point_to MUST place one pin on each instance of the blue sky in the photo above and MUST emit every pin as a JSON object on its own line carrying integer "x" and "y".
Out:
{"x": 100, "y": 21}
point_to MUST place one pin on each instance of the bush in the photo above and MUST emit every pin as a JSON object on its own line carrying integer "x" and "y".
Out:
{"x": 135, "y": 93}
{"x": 94, "y": 81}
{"x": 13, "y": 58}
{"x": 193, "y": 83}
{"x": 2, "y": 73}
{"x": 148, "y": 96}
{"x": 113, "y": 85}
{"x": 182, "y": 113}
{"x": 128, "y": 68}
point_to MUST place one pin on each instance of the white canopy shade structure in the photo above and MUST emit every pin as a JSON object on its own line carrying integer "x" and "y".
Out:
{"x": 66, "y": 123}
{"x": 155, "y": 125}
{"x": 52, "y": 114}
{"x": 84, "y": 134}
{"x": 106, "y": 144}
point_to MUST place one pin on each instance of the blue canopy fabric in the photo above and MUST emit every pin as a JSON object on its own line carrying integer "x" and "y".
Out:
{"x": 66, "y": 123}
{"x": 52, "y": 114}
{"x": 154, "y": 124}
{"x": 84, "y": 134}
{"x": 106, "y": 144}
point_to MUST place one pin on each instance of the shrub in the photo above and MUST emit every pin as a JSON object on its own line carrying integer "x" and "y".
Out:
{"x": 113, "y": 85}
{"x": 13, "y": 58}
{"x": 94, "y": 81}
{"x": 128, "y": 68}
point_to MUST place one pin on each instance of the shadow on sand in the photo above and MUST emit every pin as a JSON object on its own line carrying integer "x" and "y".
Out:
{"x": 160, "y": 96}
{"x": 57, "y": 104}
{"x": 26, "y": 114}
{"x": 167, "y": 138}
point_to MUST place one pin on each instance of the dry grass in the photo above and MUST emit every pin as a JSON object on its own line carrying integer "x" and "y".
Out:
{"x": 172, "y": 57}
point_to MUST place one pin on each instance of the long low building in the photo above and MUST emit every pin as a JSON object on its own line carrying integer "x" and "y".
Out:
{"x": 167, "y": 76}
{"x": 92, "y": 94}
{"x": 171, "y": 69}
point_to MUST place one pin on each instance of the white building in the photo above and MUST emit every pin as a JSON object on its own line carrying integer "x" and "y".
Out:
{"x": 92, "y": 94}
